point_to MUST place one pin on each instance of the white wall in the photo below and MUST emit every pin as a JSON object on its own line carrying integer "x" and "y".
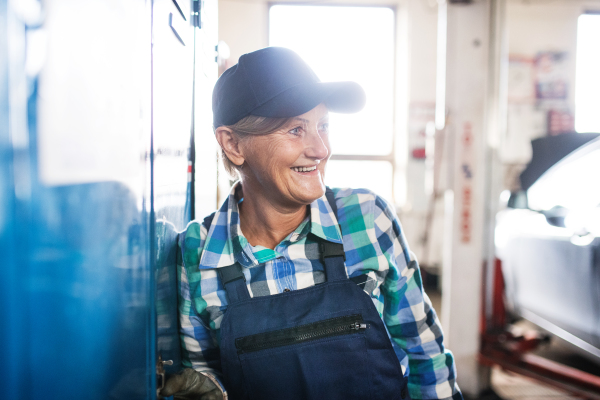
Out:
{"x": 533, "y": 27}
{"x": 422, "y": 48}
{"x": 243, "y": 25}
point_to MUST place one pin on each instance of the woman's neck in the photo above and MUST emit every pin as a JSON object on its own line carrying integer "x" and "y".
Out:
{"x": 265, "y": 223}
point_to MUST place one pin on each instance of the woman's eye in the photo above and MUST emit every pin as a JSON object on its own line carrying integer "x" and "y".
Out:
{"x": 324, "y": 128}
{"x": 296, "y": 131}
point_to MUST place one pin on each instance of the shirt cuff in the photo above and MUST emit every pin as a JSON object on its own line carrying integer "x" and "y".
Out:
{"x": 217, "y": 383}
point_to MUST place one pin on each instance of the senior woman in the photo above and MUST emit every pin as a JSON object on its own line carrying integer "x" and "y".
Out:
{"x": 292, "y": 290}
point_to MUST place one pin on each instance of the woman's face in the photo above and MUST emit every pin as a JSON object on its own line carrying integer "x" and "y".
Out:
{"x": 289, "y": 165}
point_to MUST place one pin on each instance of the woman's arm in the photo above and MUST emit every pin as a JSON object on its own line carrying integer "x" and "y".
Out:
{"x": 411, "y": 320}
{"x": 199, "y": 344}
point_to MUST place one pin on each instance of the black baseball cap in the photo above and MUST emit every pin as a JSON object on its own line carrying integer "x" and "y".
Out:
{"x": 275, "y": 82}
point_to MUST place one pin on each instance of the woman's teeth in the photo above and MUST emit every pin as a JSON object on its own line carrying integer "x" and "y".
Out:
{"x": 304, "y": 169}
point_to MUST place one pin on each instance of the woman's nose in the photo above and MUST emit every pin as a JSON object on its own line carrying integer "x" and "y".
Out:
{"x": 316, "y": 147}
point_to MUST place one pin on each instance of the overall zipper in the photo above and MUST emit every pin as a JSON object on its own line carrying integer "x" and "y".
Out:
{"x": 304, "y": 333}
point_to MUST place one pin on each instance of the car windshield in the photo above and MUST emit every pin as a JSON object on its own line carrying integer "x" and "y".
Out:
{"x": 571, "y": 183}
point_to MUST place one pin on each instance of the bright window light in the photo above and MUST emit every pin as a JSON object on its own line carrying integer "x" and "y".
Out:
{"x": 587, "y": 90}
{"x": 373, "y": 175}
{"x": 346, "y": 43}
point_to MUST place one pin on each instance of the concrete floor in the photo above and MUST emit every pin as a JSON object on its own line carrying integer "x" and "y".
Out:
{"x": 507, "y": 385}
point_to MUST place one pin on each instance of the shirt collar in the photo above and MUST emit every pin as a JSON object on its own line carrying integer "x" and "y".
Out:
{"x": 225, "y": 244}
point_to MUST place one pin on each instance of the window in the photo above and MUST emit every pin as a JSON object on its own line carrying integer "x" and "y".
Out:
{"x": 587, "y": 89}
{"x": 349, "y": 43}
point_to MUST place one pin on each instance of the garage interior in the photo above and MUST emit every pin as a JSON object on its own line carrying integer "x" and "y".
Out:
{"x": 471, "y": 71}
{"x": 475, "y": 109}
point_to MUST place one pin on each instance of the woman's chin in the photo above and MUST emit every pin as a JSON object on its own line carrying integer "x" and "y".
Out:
{"x": 310, "y": 193}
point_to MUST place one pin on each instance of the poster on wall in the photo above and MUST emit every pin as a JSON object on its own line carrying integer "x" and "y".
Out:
{"x": 560, "y": 121}
{"x": 551, "y": 75}
{"x": 521, "y": 79}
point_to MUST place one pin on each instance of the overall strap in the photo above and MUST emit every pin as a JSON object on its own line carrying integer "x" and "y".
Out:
{"x": 234, "y": 283}
{"x": 332, "y": 254}
{"x": 338, "y": 271}
{"x": 232, "y": 276}
{"x": 333, "y": 257}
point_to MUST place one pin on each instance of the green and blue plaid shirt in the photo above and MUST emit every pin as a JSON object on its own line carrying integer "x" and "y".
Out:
{"x": 375, "y": 246}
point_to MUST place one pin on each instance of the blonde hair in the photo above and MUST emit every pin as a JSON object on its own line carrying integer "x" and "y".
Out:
{"x": 249, "y": 126}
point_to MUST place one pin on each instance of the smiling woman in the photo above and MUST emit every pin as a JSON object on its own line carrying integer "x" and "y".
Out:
{"x": 245, "y": 136}
{"x": 289, "y": 279}
{"x": 284, "y": 169}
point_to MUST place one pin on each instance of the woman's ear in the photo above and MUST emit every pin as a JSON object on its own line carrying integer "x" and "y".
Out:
{"x": 230, "y": 143}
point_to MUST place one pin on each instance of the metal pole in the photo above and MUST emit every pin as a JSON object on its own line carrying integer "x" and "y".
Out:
{"x": 470, "y": 118}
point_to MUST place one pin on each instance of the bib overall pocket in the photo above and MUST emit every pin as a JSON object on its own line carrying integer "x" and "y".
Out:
{"x": 321, "y": 360}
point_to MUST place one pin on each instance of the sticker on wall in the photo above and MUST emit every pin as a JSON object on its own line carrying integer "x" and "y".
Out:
{"x": 466, "y": 186}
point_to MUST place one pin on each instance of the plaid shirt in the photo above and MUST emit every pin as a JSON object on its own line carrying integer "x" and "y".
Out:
{"x": 375, "y": 246}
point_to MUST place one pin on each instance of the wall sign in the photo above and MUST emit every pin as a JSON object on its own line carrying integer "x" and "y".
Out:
{"x": 466, "y": 177}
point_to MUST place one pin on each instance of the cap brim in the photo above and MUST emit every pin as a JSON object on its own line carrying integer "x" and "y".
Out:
{"x": 341, "y": 97}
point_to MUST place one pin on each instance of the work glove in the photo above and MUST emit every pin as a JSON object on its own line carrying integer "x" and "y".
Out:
{"x": 190, "y": 384}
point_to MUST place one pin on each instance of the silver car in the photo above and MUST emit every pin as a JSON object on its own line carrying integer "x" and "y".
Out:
{"x": 548, "y": 240}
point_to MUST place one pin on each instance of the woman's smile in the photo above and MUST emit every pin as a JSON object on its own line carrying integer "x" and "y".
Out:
{"x": 289, "y": 165}
{"x": 305, "y": 170}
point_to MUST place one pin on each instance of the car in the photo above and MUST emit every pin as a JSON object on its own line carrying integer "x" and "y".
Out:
{"x": 548, "y": 241}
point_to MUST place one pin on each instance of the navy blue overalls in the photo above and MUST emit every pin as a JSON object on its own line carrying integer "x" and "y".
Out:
{"x": 322, "y": 342}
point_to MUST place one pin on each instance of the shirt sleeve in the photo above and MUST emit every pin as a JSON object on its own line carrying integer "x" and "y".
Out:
{"x": 199, "y": 344}
{"x": 410, "y": 319}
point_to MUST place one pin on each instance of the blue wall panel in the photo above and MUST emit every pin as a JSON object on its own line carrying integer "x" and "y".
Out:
{"x": 90, "y": 295}
{"x": 76, "y": 278}
{"x": 12, "y": 328}
{"x": 96, "y": 108}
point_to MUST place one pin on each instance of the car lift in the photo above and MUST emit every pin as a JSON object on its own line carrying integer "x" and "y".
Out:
{"x": 501, "y": 347}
